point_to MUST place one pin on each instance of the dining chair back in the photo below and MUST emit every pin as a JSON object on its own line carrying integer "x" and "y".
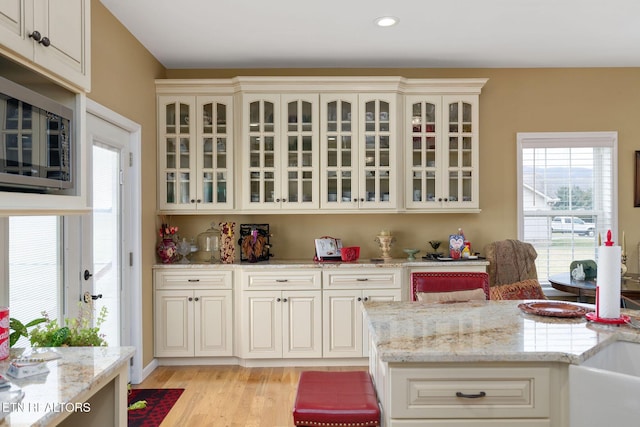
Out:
{"x": 510, "y": 261}
{"x": 431, "y": 282}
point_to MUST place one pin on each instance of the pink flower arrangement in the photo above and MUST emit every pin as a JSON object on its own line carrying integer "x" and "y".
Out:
{"x": 167, "y": 231}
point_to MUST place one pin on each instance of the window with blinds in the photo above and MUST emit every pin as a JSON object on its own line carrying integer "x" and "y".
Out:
{"x": 35, "y": 268}
{"x": 567, "y": 195}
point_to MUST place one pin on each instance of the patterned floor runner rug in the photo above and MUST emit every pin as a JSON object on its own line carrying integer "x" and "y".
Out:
{"x": 159, "y": 403}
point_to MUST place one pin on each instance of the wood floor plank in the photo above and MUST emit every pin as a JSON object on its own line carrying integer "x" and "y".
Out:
{"x": 231, "y": 396}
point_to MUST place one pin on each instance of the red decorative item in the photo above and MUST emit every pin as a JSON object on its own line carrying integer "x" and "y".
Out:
{"x": 350, "y": 253}
{"x": 4, "y": 333}
{"x": 167, "y": 251}
{"x": 593, "y": 317}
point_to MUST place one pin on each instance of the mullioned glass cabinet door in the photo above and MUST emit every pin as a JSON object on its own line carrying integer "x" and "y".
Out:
{"x": 177, "y": 153}
{"x": 261, "y": 183}
{"x": 441, "y": 152}
{"x": 377, "y": 151}
{"x": 461, "y": 151}
{"x": 215, "y": 154}
{"x": 300, "y": 189}
{"x": 339, "y": 151}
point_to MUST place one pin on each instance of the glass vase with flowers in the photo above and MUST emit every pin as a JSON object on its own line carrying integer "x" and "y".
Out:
{"x": 167, "y": 249}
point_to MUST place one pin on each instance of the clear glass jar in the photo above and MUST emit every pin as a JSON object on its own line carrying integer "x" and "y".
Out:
{"x": 209, "y": 245}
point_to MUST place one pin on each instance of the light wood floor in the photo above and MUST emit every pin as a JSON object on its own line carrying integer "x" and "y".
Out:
{"x": 230, "y": 396}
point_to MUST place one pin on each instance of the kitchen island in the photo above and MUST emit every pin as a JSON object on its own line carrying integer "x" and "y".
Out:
{"x": 477, "y": 363}
{"x": 86, "y": 386}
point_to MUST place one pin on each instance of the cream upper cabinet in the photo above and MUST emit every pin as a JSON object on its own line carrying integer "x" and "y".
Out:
{"x": 442, "y": 151}
{"x": 51, "y": 36}
{"x": 334, "y": 144}
{"x": 195, "y": 153}
{"x": 359, "y": 148}
{"x": 280, "y": 155}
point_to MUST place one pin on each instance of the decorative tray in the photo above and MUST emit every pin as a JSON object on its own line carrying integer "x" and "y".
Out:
{"x": 553, "y": 309}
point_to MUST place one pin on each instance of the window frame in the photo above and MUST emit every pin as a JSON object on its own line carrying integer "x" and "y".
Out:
{"x": 569, "y": 140}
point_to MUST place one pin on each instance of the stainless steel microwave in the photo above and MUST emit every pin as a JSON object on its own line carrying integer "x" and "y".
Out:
{"x": 36, "y": 151}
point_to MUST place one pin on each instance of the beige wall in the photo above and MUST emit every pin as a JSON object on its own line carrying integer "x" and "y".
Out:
{"x": 513, "y": 100}
{"x": 122, "y": 75}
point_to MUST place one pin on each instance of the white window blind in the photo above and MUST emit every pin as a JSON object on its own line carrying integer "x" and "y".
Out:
{"x": 35, "y": 268}
{"x": 567, "y": 195}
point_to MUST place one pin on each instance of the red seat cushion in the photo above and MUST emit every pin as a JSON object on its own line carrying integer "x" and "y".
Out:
{"x": 344, "y": 398}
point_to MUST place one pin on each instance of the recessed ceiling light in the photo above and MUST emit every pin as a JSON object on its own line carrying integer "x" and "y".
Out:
{"x": 386, "y": 21}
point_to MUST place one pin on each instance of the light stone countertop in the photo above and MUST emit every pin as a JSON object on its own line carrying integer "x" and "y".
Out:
{"x": 69, "y": 377}
{"x": 306, "y": 263}
{"x": 484, "y": 331}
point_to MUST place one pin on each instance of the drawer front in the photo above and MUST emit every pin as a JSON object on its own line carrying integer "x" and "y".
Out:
{"x": 221, "y": 279}
{"x": 470, "y": 392}
{"x": 281, "y": 280}
{"x": 363, "y": 278}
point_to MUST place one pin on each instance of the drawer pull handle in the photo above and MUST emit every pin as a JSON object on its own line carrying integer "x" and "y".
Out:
{"x": 282, "y": 280}
{"x": 470, "y": 396}
{"x": 362, "y": 279}
{"x": 193, "y": 280}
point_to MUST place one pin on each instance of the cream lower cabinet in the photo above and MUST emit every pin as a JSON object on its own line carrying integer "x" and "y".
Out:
{"x": 344, "y": 334}
{"x": 193, "y": 314}
{"x": 281, "y": 314}
{"x": 466, "y": 395}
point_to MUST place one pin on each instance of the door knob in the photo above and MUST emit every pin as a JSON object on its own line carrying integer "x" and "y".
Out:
{"x": 87, "y": 297}
{"x": 87, "y": 275}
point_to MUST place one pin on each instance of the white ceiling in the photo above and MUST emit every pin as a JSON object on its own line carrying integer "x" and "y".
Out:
{"x": 341, "y": 33}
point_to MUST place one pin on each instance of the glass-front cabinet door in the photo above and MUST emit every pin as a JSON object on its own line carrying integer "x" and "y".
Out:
{"x": 215, "y": 152}
{"x": 358, "y": 151}
{"x": 195, "y": 153}
{"x": 300, "y": 188}
{"x": 377, "y": 144}
{"x": 176, "y": 152}
{"x": 441, "y": 152}
{"x": 281, "y": 143}
{"x": 339, "y": 151}
{"x": 261, "y": 114}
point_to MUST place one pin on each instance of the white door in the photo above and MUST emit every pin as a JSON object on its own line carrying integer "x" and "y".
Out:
{"x": 110, "y": 268}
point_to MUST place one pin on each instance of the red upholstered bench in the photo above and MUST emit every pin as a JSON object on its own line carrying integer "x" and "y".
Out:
{"x": 336, "y": 399}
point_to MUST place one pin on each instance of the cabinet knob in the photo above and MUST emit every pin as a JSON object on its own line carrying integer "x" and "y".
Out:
{"x": 45, "y": 42}
{"x": 285, "y": 300}
{"x": 439, "y": 199}
{"x": 36, "y": 36}
{"x": 198, "y": 201}
{"x": 189, "y": 299}
{"x": 284, "y": 200}
{"x": 278, "y": 299}
{"x": 362, "y": 199}
{"x": 359, "y": 298}
{"x": 278, "y": 200}
{"x": 192, "y": 200}
{"x": 355, "y": 200}
{"x": 366, "y": 299}
{"x": 197, "y": 299}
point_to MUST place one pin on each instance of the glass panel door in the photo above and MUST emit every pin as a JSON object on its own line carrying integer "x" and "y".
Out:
{"x": 460, "y": 152}
{"x": 376, "y": 159}
{"x": 300, "y": 152}
{"x": 423, "y": 151}
{"x": 215, "y": 158}
{"x": 107, "y": 251}
{"x": 339, "y": 152}
{"x": 262, "y": 152}
{"x": 177, "y": 153}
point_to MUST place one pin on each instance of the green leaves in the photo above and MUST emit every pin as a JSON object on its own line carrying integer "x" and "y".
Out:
{"x": 21, "y": 330}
